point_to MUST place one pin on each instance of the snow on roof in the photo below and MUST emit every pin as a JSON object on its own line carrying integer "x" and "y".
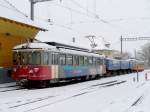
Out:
{"x": 11, "y": 13}
{"x": 34, "y": 46}
{"x": 68, "y": 51}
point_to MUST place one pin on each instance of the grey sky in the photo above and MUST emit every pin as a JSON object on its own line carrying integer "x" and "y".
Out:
{"x": 130, "y": 18}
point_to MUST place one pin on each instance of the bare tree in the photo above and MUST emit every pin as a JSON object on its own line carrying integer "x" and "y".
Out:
{"x": 144, "y": 54}
{"x": 126, "y": 55}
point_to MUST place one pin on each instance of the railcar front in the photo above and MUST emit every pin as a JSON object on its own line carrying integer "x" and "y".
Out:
{"x": 29, "y": 64}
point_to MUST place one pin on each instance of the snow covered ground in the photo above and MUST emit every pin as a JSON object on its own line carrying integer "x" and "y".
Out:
{"x": 113, "y": 94}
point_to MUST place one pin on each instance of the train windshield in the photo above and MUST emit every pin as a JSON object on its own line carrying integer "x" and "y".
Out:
{"x": 27, "y": 58}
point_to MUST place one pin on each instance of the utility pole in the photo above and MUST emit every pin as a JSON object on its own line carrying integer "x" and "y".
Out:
{"x": 126, "y": 39}
{"x": 33, "y": 2}
{"x": 73, "y": 39}
{"x": 32, "y": 10}
{"x": 121, "y": 39}
{"x": 134, "y": 39}
{"x": 135, "y": 53}
{"x": 137, "y": 71}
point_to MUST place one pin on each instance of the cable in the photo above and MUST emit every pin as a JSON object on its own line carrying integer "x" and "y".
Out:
{"x": 129, "y": 19}
{"x": 14, "y": 8}
{"x": 59, "y": 25}
{"x": 77, "y": 4}
{"x": 91, "y": 16}
{"x": 73, "y": 10}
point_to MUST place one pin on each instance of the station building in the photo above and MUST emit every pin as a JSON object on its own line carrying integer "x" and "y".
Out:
{"x": 15, "y": 28}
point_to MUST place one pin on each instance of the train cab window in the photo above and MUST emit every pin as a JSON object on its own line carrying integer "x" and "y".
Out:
{"x": 69, "y": 60}
{"x": 45, "y": 58}
{"x": 85, "y": 60}
{"x": 24, "y": 58}
{"x": 81, "y": 60}
{"x": 20, "y": 58}
{"x": 62, "y": 59}
{"x": 36, "y": 58}
{"x": 75, "y": 60}
{"x": 27, "y": 58}
{"x": 15, "y": 58}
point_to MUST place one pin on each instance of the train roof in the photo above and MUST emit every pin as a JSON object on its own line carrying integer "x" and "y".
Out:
{"x": 44, "y": 46}
{"x": 67, "y": 46}
{"x": 113, "y": 59}
{"x": 68, "y": 51}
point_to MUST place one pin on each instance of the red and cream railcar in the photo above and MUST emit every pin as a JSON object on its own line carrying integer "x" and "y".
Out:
{"x": 41, "y": 63}
{"x": 139, "y": 66}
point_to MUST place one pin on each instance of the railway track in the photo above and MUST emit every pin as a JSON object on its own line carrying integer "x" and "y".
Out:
{"x": 60, "y": 98}
{"x": 9, "y": 88}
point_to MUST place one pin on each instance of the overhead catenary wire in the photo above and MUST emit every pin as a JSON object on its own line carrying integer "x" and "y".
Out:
{"x": 59, "y": 25}
{"x": 14, "y": 8}
{"x": 91, "y": 15}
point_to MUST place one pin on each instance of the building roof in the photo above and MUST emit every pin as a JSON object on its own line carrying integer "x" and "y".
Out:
{"x": 9, "y": 12}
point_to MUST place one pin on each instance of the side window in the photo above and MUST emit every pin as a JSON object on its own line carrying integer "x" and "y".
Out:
{"x": 90, "y": 60}
{"x": 50, "y": 58}
{"x": 62, "y": 59}
{"x": 100, "y": 61}
{"x": 94, "y": 61}
{"x": 81, "y": 60}
{"x": 75, "y": 60}
{"x": 30, "y": 58}
{"x": 85, "y": 60}
{"x": 69, "y": 59}
{"x": 54, "y": 58}
{"x": 45, "y": 58}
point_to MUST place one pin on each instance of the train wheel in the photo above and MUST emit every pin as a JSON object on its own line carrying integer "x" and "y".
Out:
{"x": 83, "y": 78}
{"x": 97, "y": 76}
{"x": 43, "y": 84}
{"x": 28, "y": 85}
{"x": 87, "y": 77}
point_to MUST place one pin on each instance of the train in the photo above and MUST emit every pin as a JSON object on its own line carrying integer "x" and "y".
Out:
{"x": 43, "y": 63}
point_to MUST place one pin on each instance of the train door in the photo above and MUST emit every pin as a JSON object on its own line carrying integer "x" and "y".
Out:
{"x": 63, "y": 69}
{"x": 54, "y": 65}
